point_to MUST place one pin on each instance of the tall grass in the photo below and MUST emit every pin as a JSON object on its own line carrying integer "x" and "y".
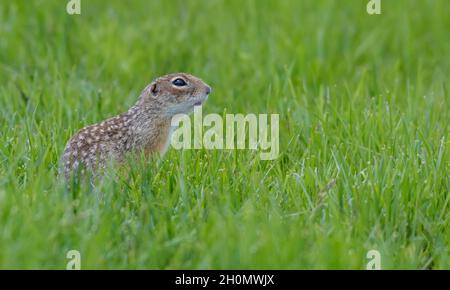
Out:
{"x": 364, "y": 113}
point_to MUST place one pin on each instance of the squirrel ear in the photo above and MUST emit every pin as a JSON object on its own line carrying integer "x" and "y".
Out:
{"x": 154, "y": 90}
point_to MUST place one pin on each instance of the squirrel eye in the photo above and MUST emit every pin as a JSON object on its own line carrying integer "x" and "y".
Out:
{"x": 179, "y": 83}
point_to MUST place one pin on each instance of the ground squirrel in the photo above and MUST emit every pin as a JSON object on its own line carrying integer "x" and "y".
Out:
{"x": 145, "y": 127}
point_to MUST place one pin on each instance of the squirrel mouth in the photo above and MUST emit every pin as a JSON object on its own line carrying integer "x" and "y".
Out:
{"x": 199, "y": 103}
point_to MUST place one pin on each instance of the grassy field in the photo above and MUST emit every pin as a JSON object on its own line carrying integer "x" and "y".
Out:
{"x": 364, "y": 134}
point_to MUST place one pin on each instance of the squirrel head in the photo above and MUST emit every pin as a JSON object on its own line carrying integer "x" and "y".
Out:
{"x": 175, "y": 93}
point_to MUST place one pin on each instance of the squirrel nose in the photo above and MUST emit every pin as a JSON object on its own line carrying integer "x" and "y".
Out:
{"x": 208, "y": 90}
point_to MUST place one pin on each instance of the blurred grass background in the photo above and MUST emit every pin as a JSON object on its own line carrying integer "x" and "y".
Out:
{"x": 364, "y": 113}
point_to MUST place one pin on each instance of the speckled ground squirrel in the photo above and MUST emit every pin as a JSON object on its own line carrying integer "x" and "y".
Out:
{"x": 145, "y": 127}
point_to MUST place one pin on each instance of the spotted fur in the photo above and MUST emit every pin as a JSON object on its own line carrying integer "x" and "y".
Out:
{"x": 145, "y": 127}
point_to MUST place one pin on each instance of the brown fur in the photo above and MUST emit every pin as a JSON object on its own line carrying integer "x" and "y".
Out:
{"x": 145, "y": 127}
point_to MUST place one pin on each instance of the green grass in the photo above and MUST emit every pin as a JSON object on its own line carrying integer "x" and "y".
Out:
{"x": 364, "y": 134}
